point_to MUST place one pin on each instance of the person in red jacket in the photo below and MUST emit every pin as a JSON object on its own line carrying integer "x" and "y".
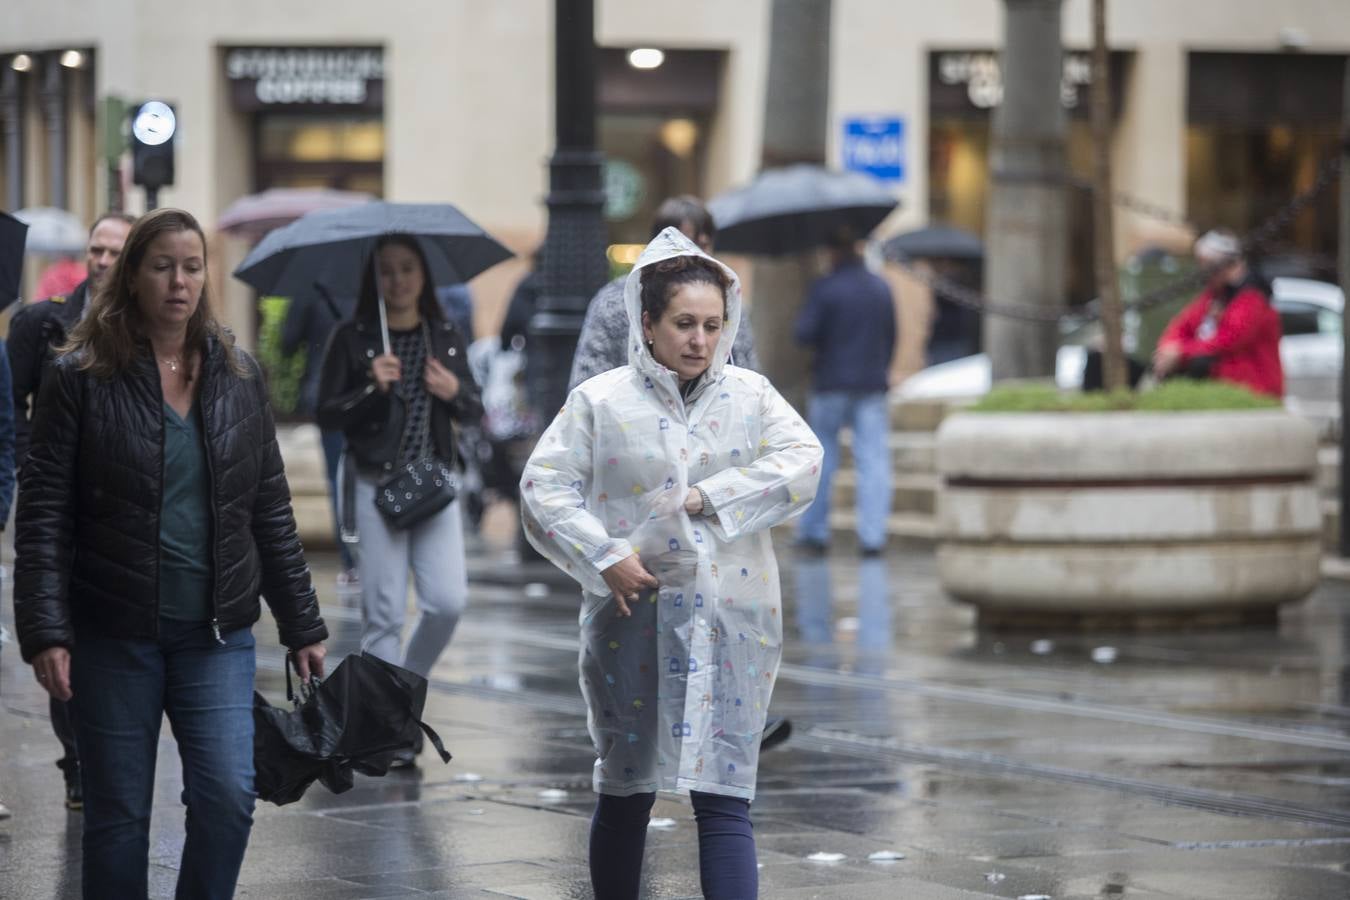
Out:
{"x": 1230, "y": 332}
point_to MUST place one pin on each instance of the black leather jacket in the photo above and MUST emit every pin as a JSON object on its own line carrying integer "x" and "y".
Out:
{"x": 371, "y": 420}
{"x": 87, "y": 529}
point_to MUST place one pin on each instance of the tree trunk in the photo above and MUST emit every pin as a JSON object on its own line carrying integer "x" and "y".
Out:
{"x": 796, "y": 105}
{"x": 1027, "y": 227}
{"x": 1115, "y": 374}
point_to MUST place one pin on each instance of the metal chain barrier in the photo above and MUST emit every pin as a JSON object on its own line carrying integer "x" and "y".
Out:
{"x": 1123, "y": 199}
{"x": 1258, "y": 240}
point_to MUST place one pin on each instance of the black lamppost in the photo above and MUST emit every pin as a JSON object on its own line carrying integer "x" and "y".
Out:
{"x": 573, "y": 266}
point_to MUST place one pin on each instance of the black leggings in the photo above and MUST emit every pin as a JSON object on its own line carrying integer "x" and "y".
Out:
{"x": 726, "y": 846}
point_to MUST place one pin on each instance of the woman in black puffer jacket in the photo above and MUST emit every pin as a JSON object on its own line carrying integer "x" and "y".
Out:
{"x": 153, "y": 511}
{"x": 397, "y": 403}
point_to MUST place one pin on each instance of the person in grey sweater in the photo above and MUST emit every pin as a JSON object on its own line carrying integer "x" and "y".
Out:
{"x": 603, "y": 344}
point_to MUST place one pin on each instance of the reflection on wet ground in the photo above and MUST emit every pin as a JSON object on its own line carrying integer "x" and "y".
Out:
{"x": 1203, "y": 765}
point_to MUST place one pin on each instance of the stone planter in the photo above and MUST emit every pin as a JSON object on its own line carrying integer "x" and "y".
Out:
{"x": 1128, "y": 519}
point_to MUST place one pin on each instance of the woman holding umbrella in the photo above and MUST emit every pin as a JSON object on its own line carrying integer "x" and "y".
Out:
{"x": 656, "y": 487}
{"x": 396, "y": 381}
{"x": 153, "y": 511}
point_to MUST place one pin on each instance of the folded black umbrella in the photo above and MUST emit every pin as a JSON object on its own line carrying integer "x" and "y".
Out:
{"x": 356, "y": 720}
{"x": 13, "y": 235}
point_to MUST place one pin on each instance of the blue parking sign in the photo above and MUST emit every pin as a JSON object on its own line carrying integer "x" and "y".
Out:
{"x": 875, "y": 145}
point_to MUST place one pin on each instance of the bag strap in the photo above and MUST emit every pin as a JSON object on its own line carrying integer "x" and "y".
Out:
{"x": 435, "y": 740}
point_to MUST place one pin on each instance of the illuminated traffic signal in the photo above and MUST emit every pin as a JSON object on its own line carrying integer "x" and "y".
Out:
{"x": 153, "y": 126}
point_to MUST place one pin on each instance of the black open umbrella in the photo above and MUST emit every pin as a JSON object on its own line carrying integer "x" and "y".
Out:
{"x": 795, "y": 208}
{"x": 13, "y": 235}
{"x": 356, "y": 720}
{"x": 332, "y": 246}
{"x": 934, "y": 242}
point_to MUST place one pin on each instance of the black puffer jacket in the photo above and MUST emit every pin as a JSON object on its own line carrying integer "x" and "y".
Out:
{"x": 372, "y": 421}
{"x": 87, "y": 529}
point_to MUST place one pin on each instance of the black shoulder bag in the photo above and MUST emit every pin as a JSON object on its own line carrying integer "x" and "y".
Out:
{"x": 418, "y": 490}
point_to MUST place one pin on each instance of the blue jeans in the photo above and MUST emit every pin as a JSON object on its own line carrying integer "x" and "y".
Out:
{"x": 333, "y": 441}
{"x": 123, "y": 689}
{"x": 726, "y": 846}
{"x": 868, "y": 416}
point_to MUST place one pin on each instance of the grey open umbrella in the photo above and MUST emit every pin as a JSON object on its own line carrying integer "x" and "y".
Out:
{"x": 795, "y": 208}
{"x": 934, "y": 242}
{"x": 52, "y": 230}
{"x": 333, "y": 246}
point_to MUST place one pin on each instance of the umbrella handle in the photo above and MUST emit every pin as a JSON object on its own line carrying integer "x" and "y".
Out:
{"x": 307, "y": 688}
{"x": 384, "y": 326}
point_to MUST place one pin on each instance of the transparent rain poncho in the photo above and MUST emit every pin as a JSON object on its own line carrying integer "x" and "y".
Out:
{"x": 677, "y": 693}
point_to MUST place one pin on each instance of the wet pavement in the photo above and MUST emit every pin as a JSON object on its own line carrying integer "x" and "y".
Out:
{"x": 1204, "y": 765}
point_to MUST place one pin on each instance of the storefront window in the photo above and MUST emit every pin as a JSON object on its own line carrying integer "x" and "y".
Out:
{"x": 346, "y": 153}
{"x": 312, "y": 139}
{"x": 647, "y": 159}
{"x": 653, "y": 131}
{"x": 1259, "y": 127}
{"x": 964, "y": 88}
{"x": 318, "y": 114}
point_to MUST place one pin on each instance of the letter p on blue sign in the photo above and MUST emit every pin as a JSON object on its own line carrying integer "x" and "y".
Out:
{"x": 875, "y": 145}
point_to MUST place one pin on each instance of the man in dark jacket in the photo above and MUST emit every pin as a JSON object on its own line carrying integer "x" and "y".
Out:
{"x": 309, "y": 322}
{"x": 35, "y": 331}
{"x": 849, "y": 320}
{"x": 38, "y": 327}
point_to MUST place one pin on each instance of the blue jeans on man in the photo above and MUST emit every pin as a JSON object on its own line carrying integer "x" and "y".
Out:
{"x": 333, "y": 442}
{"x": 867, "y": 415}
{"x": 124, "y": 688}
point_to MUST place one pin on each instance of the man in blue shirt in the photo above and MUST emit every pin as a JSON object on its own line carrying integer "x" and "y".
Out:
{"x": 849, "y": 320}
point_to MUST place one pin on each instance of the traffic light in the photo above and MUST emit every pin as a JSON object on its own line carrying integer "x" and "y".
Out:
{"x": 153, "y": 125}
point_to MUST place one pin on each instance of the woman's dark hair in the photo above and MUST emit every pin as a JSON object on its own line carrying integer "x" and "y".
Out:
{"x": 112, "y": 335}
{"x": 661, "y": 280}
{"x": 367, "y": 303}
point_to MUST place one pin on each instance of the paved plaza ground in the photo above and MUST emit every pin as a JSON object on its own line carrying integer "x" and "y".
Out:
{"x": 1209, "y": 765}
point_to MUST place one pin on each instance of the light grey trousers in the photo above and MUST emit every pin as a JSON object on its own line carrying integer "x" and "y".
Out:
{"x": 434, "y": 552}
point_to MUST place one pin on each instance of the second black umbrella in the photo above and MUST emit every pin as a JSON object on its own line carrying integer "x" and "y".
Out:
{"x": 796, "y": 208}
{"x": 332, "y": 246}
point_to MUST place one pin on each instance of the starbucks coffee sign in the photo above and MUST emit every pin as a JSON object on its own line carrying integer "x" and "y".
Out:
{"x": 306, "y": 77}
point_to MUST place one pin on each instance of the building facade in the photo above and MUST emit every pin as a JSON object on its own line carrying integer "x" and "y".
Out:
{"x": 1223, "y": 108}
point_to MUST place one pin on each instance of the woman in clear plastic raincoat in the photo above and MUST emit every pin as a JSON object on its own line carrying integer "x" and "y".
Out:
{"x": 655, "y": 488}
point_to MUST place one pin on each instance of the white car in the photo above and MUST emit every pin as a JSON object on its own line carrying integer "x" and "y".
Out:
{"x": 1310, "y": 351}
